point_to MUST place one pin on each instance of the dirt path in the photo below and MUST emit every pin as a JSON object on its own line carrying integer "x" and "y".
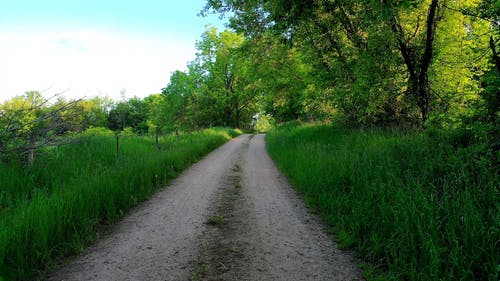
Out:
{"x": 231, "y": 216}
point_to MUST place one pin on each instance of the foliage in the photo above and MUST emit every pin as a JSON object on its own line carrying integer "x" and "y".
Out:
{"x": 215, "y": 91}
{"x": 180, "y": 108}
{"x": 92, "y": 112}
{"x": 265, "y": 123}
{"x": 415, "y": 205}
{"x": 131, "y": 113}
{"x": 98, "y": 131}
{"x": 386, "y": 63}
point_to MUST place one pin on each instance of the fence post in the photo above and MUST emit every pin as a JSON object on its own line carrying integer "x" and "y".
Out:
{"x": 117, "y": 147}
{"x": 157, "y": 136}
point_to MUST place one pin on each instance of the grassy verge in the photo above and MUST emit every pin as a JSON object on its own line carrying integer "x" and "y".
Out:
{"x": 57, "y": 206}
{"x": 414, "y": 206}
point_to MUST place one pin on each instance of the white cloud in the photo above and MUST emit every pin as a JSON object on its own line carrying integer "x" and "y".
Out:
{"x": 88, "y": 62}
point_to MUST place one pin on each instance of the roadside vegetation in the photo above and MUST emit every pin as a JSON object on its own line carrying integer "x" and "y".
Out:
{"x": 417, "y": 194}
{"x": 416, "y": 206}
{"x": 58, "y": 205}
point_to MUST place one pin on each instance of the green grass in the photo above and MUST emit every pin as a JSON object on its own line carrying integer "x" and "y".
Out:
{"x": 57, "y": 207}
{"x": 414, "y": 206}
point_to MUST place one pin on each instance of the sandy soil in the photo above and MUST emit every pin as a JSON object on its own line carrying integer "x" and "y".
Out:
{"x": 231, "y": 216}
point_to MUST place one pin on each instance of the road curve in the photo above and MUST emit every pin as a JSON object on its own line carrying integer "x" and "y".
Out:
{"x": 231, "y": 216}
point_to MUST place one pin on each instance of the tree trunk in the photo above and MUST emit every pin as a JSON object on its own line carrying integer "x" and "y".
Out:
{"x": 157, "y": 131}
{"x": 238, "y": 118}
{"x": 418, "y": 68}
{"x": 31, "y": 150}
{"x": 3, "y": 158}
{"x": 424, "y": 98}
{"x": 117, "y": 147}
{"x": 496, "y": 58}
{"x": 423, "y": 80}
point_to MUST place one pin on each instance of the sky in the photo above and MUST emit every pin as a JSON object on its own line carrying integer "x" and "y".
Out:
{"x": 86, "y": 48}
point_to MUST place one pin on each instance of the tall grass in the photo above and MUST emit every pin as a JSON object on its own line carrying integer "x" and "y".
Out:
{"x": 413, "y": 205}
{"x": 57, "y": 206}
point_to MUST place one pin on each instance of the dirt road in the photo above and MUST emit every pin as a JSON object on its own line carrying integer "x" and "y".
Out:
{"x": 231, "y": 216}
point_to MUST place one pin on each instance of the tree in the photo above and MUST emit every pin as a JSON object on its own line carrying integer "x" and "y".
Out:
{"x": 155, "y": 105}
{"x": 176, "y": 97}
{"x": 417, "y": 56}
{"x": 30, "y": 122}
{"x": 131, "y": 113}
{"x": 343, "y": 42}
{"x": 93, "y": 112}
{"x": 215, "y": 91}
{"x": 278, "y": 77}
{"x": 225, "y": 80}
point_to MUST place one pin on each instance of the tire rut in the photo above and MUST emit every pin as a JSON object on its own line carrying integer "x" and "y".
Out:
{"x": 221, "y": 254}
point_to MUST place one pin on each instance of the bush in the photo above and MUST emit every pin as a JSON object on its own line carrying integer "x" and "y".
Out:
{"x": 98, "y": 131}
{"x": 265, "y": 123}
{"x": 127, "y": 132}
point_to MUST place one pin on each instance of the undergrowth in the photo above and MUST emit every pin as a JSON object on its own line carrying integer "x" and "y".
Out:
{"x": 415, "y": 206}
{"x": 58, "y": 206}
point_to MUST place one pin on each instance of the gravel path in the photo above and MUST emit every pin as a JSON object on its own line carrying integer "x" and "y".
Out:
{"x": 231, "y": 216}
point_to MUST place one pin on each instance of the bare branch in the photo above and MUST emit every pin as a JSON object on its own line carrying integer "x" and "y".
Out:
{"x": 415, "y": 32}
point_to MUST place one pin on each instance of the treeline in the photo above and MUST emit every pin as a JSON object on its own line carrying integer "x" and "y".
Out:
{"x": 409, "y": 64}
{"x": 229, "y": 83}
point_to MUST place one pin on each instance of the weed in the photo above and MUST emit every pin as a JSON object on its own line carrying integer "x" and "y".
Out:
{"x": 236, "y": 168}
{"x": 237, "y": 182}
{"x": 236, "y": 176}
{"x": 202, "y": 270}
{"x": 217, "y": 220}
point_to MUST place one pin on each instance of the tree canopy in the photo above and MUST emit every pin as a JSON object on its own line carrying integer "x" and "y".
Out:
{"x": 383, "y": 61}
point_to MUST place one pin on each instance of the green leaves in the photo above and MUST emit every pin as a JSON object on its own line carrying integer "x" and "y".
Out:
{"x": 215, "y": 90}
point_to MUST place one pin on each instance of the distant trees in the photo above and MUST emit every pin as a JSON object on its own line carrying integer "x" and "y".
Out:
{"x": 93, "y": 112}
{"x": 131, "y": 113}
{"x": 178, "y": 101}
